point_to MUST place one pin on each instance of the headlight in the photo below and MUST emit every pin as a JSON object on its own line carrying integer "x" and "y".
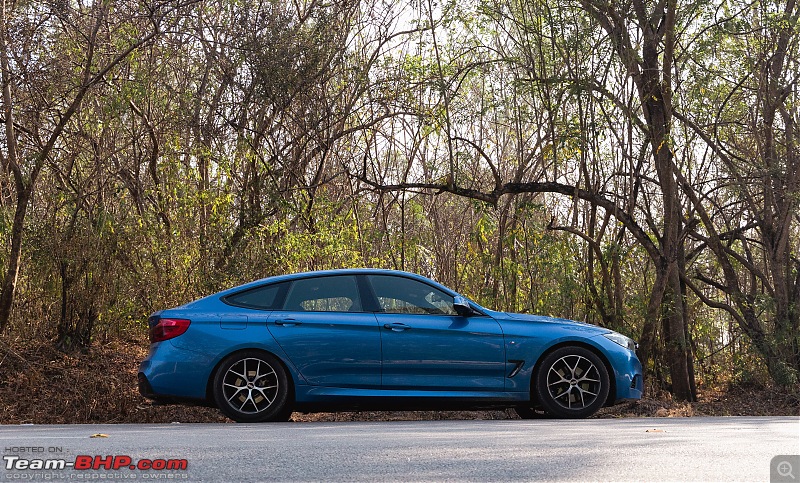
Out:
{"x": 620, "y": 339}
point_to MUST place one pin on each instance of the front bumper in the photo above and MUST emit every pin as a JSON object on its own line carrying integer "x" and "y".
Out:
{"x": 629, "y": 380}
{"x": 626, "y": 370}
{"x": 633, "y": 391}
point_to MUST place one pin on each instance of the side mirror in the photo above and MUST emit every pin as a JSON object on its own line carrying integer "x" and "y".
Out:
{"x": 462, "y": 307}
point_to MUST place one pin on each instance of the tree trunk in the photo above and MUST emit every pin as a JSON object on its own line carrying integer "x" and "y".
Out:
{"x": 675, "y": 341}
{"x": 12, "y": 271}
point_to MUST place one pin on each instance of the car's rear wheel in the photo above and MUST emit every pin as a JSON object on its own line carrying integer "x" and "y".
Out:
{"x": 572, "y": 382}
{"x": 251, "y": 387}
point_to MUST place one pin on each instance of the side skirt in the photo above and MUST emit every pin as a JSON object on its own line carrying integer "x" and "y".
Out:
{"x": 316, "y": 398}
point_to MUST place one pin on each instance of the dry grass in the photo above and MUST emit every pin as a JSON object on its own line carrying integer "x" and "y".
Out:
{"x": 41, "y": 385}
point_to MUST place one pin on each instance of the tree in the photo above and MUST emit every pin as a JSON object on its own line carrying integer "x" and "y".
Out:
{"x": 40, "y": 44}
{"x": 649, "y": 68}
{"x": 748, "y": 217}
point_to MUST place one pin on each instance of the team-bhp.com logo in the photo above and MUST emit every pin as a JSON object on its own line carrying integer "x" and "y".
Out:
{"x": 96, "y": 462}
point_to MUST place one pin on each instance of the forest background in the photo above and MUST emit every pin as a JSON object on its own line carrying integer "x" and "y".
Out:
{"x": 628, "y": 163}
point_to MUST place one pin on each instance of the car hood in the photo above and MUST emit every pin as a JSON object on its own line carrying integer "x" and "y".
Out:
{"x": 582, "y": 327}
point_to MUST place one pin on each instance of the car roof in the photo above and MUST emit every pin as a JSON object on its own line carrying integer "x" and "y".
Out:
{"x": 325, "y": 273}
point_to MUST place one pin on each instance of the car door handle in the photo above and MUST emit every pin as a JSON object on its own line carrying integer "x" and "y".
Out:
{"x": 396, "y": 327}
{"x": 287, "y": 322}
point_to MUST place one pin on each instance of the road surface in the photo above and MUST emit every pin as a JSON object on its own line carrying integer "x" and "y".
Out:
{"x": 646, "y": 449}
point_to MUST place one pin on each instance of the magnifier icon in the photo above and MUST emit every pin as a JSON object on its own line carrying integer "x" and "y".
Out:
{"x": 785, "y": 469}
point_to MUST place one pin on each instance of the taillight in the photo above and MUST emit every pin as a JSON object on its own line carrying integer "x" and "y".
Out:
{"x": 168, "y": 328}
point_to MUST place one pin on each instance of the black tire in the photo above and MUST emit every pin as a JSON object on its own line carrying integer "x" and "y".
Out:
{"x": 252, "y": 387}
{"x": 571, "y": 382}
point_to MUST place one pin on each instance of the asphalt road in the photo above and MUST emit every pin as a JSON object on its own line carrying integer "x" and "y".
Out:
{"x": 652, "y": 449}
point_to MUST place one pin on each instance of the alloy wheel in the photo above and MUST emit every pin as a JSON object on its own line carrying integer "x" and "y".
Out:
{"x": 573, "y": 382}
{"x": 250, "y": 385}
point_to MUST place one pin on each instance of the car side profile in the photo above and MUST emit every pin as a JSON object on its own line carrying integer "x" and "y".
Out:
{"x": 378, "y": 339}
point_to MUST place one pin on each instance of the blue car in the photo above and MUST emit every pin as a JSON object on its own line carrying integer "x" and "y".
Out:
{"x": 378, "y": 339}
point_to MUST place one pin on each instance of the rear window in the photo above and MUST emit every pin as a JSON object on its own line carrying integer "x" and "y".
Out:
{"x": 266, "y": 297}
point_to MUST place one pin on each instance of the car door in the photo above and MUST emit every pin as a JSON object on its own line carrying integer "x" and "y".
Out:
{"x": 326, "y": 334}
{"x": 428, "y": 346}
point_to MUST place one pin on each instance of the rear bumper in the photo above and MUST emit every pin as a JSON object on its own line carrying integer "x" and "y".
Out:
{"x": 169, "y": 373}
{"x": 145, "y": 389}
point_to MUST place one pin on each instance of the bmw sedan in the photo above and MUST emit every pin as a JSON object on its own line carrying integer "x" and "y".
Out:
{"x": 378, "y": 339}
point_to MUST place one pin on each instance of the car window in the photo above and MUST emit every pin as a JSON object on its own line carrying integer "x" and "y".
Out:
{"x": 265, "y": 297}
{"x": 400, "y": 295}
{"x": 324, "y": 294}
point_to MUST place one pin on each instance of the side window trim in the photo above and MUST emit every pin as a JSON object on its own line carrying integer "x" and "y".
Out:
{"x": 369, "y": 301}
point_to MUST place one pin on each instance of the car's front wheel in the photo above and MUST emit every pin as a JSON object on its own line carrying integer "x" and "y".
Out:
{"x": 571, "y": 382}
{"x": 251, "y": 387}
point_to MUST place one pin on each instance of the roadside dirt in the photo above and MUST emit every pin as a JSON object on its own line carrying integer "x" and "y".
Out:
{"x": 41, "y": 385}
